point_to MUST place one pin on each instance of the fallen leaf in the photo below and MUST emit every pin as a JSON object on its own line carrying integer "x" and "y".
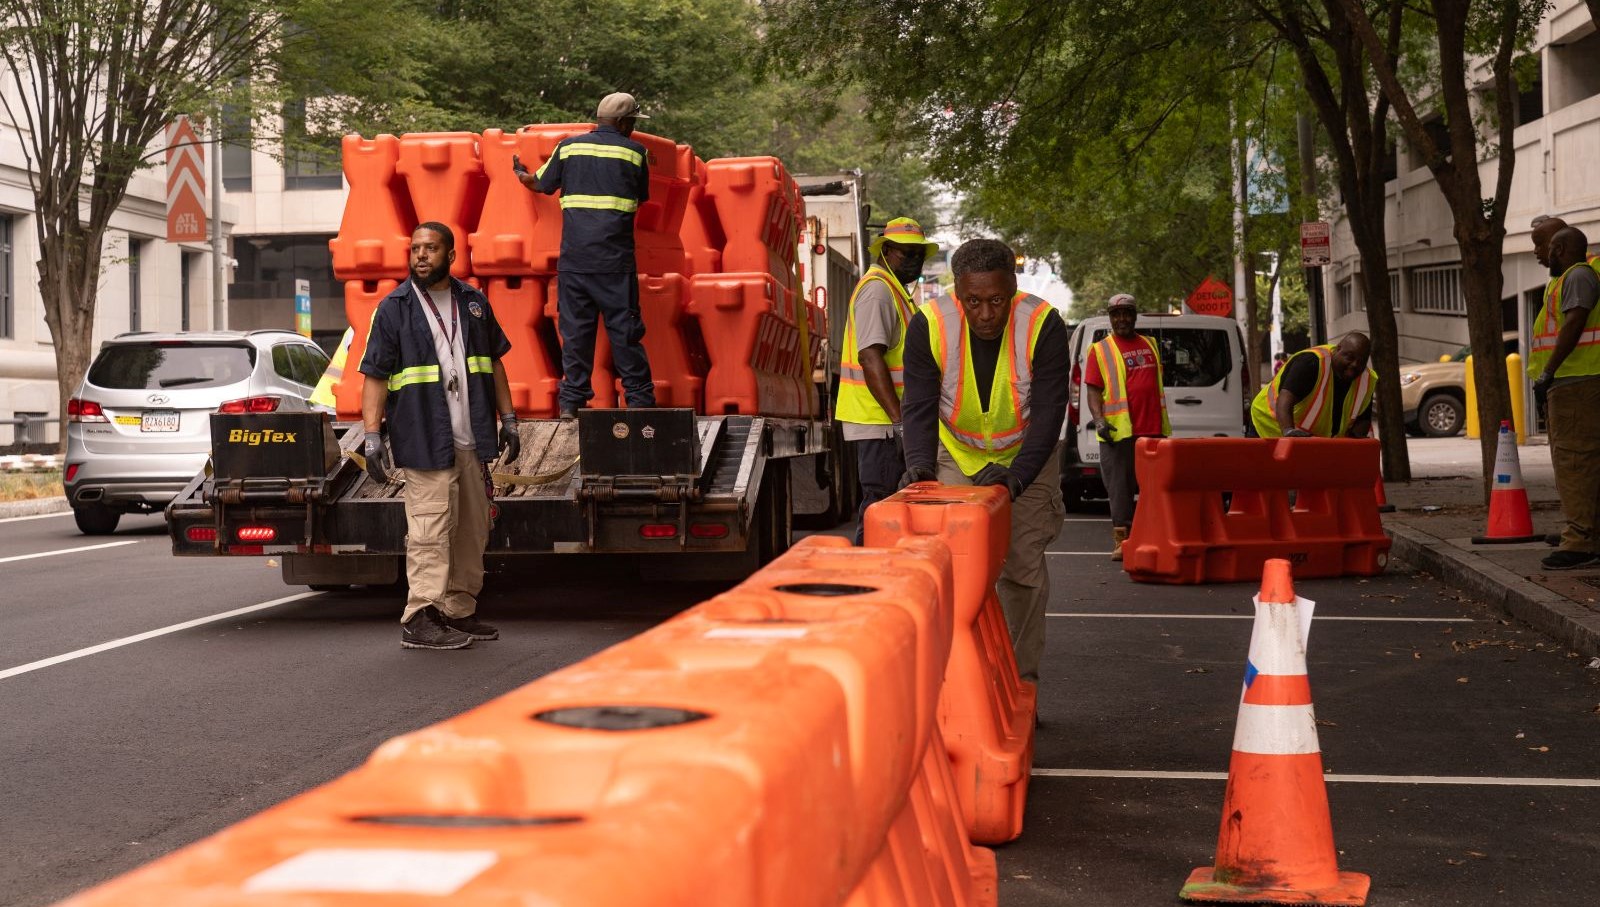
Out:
{"x": 1474, "y": 853}
{"x": 1198, "y": 671}
{"x": 1455, "y": 862}
{"x": 1461, "y": 680}
{"x": 1539, "y": 749}
{"x": 1521, "y": 735}
{"x": 1323, "y": 722}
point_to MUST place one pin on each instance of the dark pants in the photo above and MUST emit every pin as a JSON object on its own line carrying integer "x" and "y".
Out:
{"x": 1116, "y": 468}
{"x": 581, "y": 301}
{"x": 879, "y": 464}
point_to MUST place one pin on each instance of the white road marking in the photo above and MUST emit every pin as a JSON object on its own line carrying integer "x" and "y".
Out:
{"x": 152, "y": 634}
{"x": 29, "y": 557}
{"x": 35, "y": 516}
{"x": 1460, "y": 780}
{"x": 1319, "y": 618}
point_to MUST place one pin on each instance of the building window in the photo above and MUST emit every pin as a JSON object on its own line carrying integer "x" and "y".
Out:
{"x": 1530, "y": 100}
{"x": 8, "y": 313}
{"x": 311, "y": 156}
{"x": 135, "y": 252}
{"x": 237, "y": 137}
{"x": 269, "y": 266}
{"x": 1343, "y": 297}
{"x": 1437, "y": 291}
{"x": 186, "y": 287}
{"x": 1574, "y": 71}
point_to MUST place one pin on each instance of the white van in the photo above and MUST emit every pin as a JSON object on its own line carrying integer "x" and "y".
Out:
{"x": 1203, "y": 369}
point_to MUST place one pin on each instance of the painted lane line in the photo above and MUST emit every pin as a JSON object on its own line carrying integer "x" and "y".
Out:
{"x": 35, "y": 516}
{"x": 152, "y": 634}
{"x": 1319, "y": 618}
{"x": 27, "y": 557}
{"x": 1458, "y": 780}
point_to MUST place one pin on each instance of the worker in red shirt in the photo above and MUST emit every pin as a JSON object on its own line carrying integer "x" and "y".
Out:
{"x": 1126, "y": 403}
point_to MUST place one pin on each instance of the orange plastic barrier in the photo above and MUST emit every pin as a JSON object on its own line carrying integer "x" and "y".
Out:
{"x": 504, "y": 242}
{"x": 658, "y": 226}
{"x": 758, "y": 206}
{"x": 374, "y": 240}
{"x": 776, "y": 745}
{"x": 702, "y": 231}
{"x": 1183, "y": 534}
{"x": 361, "y": 298}
{"x": 986, "y": 714}
{"x": 741, "y": 319}
{"x": 447, "y": 184}
{"x": 535, "y": 375}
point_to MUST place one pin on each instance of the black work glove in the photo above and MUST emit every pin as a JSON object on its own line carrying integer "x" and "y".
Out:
{"x": 510, "y": 441}
{"x": 995, "y": 474}
{"x": 1297, "y": 433}
{"x": 518, "y": 165}
{"x": 377, "y": 457}
{"x": 1102, "y": 430}
{"x": 915, "y": 474}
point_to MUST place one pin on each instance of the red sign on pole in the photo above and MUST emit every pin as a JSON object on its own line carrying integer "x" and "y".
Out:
{"x": 186, "y": 183}
{"x": 1316, "y": 244}
{"x": 1212, "y": 297}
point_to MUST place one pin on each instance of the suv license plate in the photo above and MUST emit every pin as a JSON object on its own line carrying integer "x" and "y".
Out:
{"x": 159, "y": 420}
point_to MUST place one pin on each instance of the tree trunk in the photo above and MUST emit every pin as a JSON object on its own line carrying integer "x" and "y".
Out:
{"x": 69, "y": 271}
{"x": 1388, "y": 412}
{"x": 1481, "y": 282}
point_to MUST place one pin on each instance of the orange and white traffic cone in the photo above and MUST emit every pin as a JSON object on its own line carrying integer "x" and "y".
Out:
{"x": 1276, "y": 841}
{"x": 1510, "y": 518}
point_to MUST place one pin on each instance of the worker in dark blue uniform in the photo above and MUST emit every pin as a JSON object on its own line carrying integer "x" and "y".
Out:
{"x": 603, "y": 176}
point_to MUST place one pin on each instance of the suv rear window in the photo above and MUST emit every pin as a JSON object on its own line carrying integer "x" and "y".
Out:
{"x": 1190, "y": 357}
{"x": 163, "y": 366}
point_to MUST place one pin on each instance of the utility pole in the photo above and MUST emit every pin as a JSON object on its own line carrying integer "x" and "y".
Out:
{"x": 1308, "y": 188}
{"x": 219, "y": 256}
{"x": 1240, "y": 310}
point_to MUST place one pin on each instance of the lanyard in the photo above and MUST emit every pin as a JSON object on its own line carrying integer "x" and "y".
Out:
{"x": 455, "y": 315}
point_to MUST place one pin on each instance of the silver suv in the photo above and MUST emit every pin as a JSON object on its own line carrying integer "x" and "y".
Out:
{"x": 139, "y": 427}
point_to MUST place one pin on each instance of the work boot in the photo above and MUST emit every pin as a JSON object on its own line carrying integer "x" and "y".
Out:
{"x": 1119, "y": 534}
{"x": 427, "y": 630}
{"x": 1569, "y": 560}
{"x": 472, "y": 626}
{"x": 569, "y": 413}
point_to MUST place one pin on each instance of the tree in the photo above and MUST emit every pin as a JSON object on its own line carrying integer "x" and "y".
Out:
{"x": 1464, "y": 32}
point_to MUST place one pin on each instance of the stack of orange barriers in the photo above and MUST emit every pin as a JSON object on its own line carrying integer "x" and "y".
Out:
{"x": 986, "y": 712}
{"x": 1183, "y": 533}
{"x": 726, "y": 327}
{"x": 778, "y": 745}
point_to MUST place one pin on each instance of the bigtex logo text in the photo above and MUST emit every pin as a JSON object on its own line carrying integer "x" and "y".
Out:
{"x": 255, "y": 438}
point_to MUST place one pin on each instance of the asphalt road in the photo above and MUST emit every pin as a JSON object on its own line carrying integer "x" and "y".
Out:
{"x": 134, "y": 719}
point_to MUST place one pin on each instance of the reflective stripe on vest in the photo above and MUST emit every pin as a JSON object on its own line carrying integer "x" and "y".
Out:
{"x": 856, "y": 403}
{"x": 974, "y": 436}
{"x": 481, "y": 365}
{"x": 322, "y": 394}
{"x": 599, "y": 203}
{"x": 417, "y": 374}
{"x": 1115, "y": 406}
{"x": 1585, "y": 357}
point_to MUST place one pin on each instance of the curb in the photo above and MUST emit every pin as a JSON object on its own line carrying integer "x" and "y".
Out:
{"x": 33, "y": 507}
{"x": 1557, "y": 616}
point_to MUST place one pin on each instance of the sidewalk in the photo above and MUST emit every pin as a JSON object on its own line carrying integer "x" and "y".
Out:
{"x": 1439, "y": 512}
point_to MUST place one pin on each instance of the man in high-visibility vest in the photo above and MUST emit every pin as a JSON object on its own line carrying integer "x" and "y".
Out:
{"x": 1322, "y": 392}
{"x": 1565, "y": 365}
{"x": 870, "y": 376}
{"x": 1124, "y": 377}
{"x": 986, "y": 375}
{"x": 322, "y": 396}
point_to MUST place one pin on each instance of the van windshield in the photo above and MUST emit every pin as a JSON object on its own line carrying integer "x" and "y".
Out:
{"x": 1190, "y": 357}
{"x": 163, "y": 366}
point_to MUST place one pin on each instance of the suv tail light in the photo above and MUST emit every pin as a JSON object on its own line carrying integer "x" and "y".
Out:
{"x": 251, "y": 405}
{"x": 85, "y": 411}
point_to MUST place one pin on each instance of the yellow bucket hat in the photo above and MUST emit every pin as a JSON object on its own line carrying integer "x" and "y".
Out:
{"x": 902, "y": 230}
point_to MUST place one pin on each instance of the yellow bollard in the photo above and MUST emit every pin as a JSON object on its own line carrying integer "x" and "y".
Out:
{"x": 1472, "y": 403}
{"x": 1445, "y": 358}
{"x": 1519, "y": 397}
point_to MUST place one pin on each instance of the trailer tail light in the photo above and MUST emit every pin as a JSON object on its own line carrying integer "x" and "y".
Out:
{"x": 251, "y": 405}
{"x": 201, "y": 533}
{"x": 708, "y": 530}
{"x": 256, "y": 533}
{"x": 659, "y": 531}
{"x": 85, "y": 411}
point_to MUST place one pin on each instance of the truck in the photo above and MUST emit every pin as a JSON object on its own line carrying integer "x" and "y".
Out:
{"x": 682, "y": 493}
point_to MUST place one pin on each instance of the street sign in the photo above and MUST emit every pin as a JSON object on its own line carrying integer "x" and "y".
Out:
{"x": 302, "y": 307}
{"x": 186, "y": 183}
{"x": 1316, "y": 245}
{"x": 1212, "y": 297}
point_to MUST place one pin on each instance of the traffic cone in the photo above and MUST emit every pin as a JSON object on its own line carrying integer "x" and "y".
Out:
{"x": 1276, "y": 841}
{"x": 1510, "y": 518}
{"x": 1383, "y": 500}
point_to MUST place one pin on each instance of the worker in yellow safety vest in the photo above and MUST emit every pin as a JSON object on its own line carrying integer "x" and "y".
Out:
{"x": 986, "y": 376}
{"x": 870, "y": 376}
{"x": 1122, "y": 380}
{"x": 322, "y": 396}
{"x": 1323, "y": 392}
{"x": 1565, "y": 365}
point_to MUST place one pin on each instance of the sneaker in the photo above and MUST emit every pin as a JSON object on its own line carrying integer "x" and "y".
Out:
{"x": 427, "y": 630}
{"x": 1569, "y": 560}
{"x": 472, "y": 626}
{"x": 569, "y": 413}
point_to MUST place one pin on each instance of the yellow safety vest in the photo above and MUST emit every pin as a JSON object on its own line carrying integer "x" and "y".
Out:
{"x": 1315, "y": 413}
{"x": 1115, "y": 408}
{"x": 856, "y": 403}
{"x": 1585, "y": 357}
{"x": 974, "y": 436}
{"x": 323, "y": 395}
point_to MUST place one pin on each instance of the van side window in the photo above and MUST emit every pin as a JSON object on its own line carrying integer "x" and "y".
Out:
{"x": 1193, "y": 357}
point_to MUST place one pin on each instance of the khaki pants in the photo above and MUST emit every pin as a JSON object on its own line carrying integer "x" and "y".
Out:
{"x": 1573, "y": 412}
{"x": 447, "y": 529}
{"x": 1024, "y": 586}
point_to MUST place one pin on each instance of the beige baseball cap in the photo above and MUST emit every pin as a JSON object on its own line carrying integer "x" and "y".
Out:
{"x": 617, "y": 105}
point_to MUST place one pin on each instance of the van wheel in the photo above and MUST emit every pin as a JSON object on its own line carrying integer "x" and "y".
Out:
{"x": 1440, "y": 416}
{"x": 96, "y": 519}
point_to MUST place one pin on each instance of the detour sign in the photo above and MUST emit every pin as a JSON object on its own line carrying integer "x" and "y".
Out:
{"x": 1212, "y": 297}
